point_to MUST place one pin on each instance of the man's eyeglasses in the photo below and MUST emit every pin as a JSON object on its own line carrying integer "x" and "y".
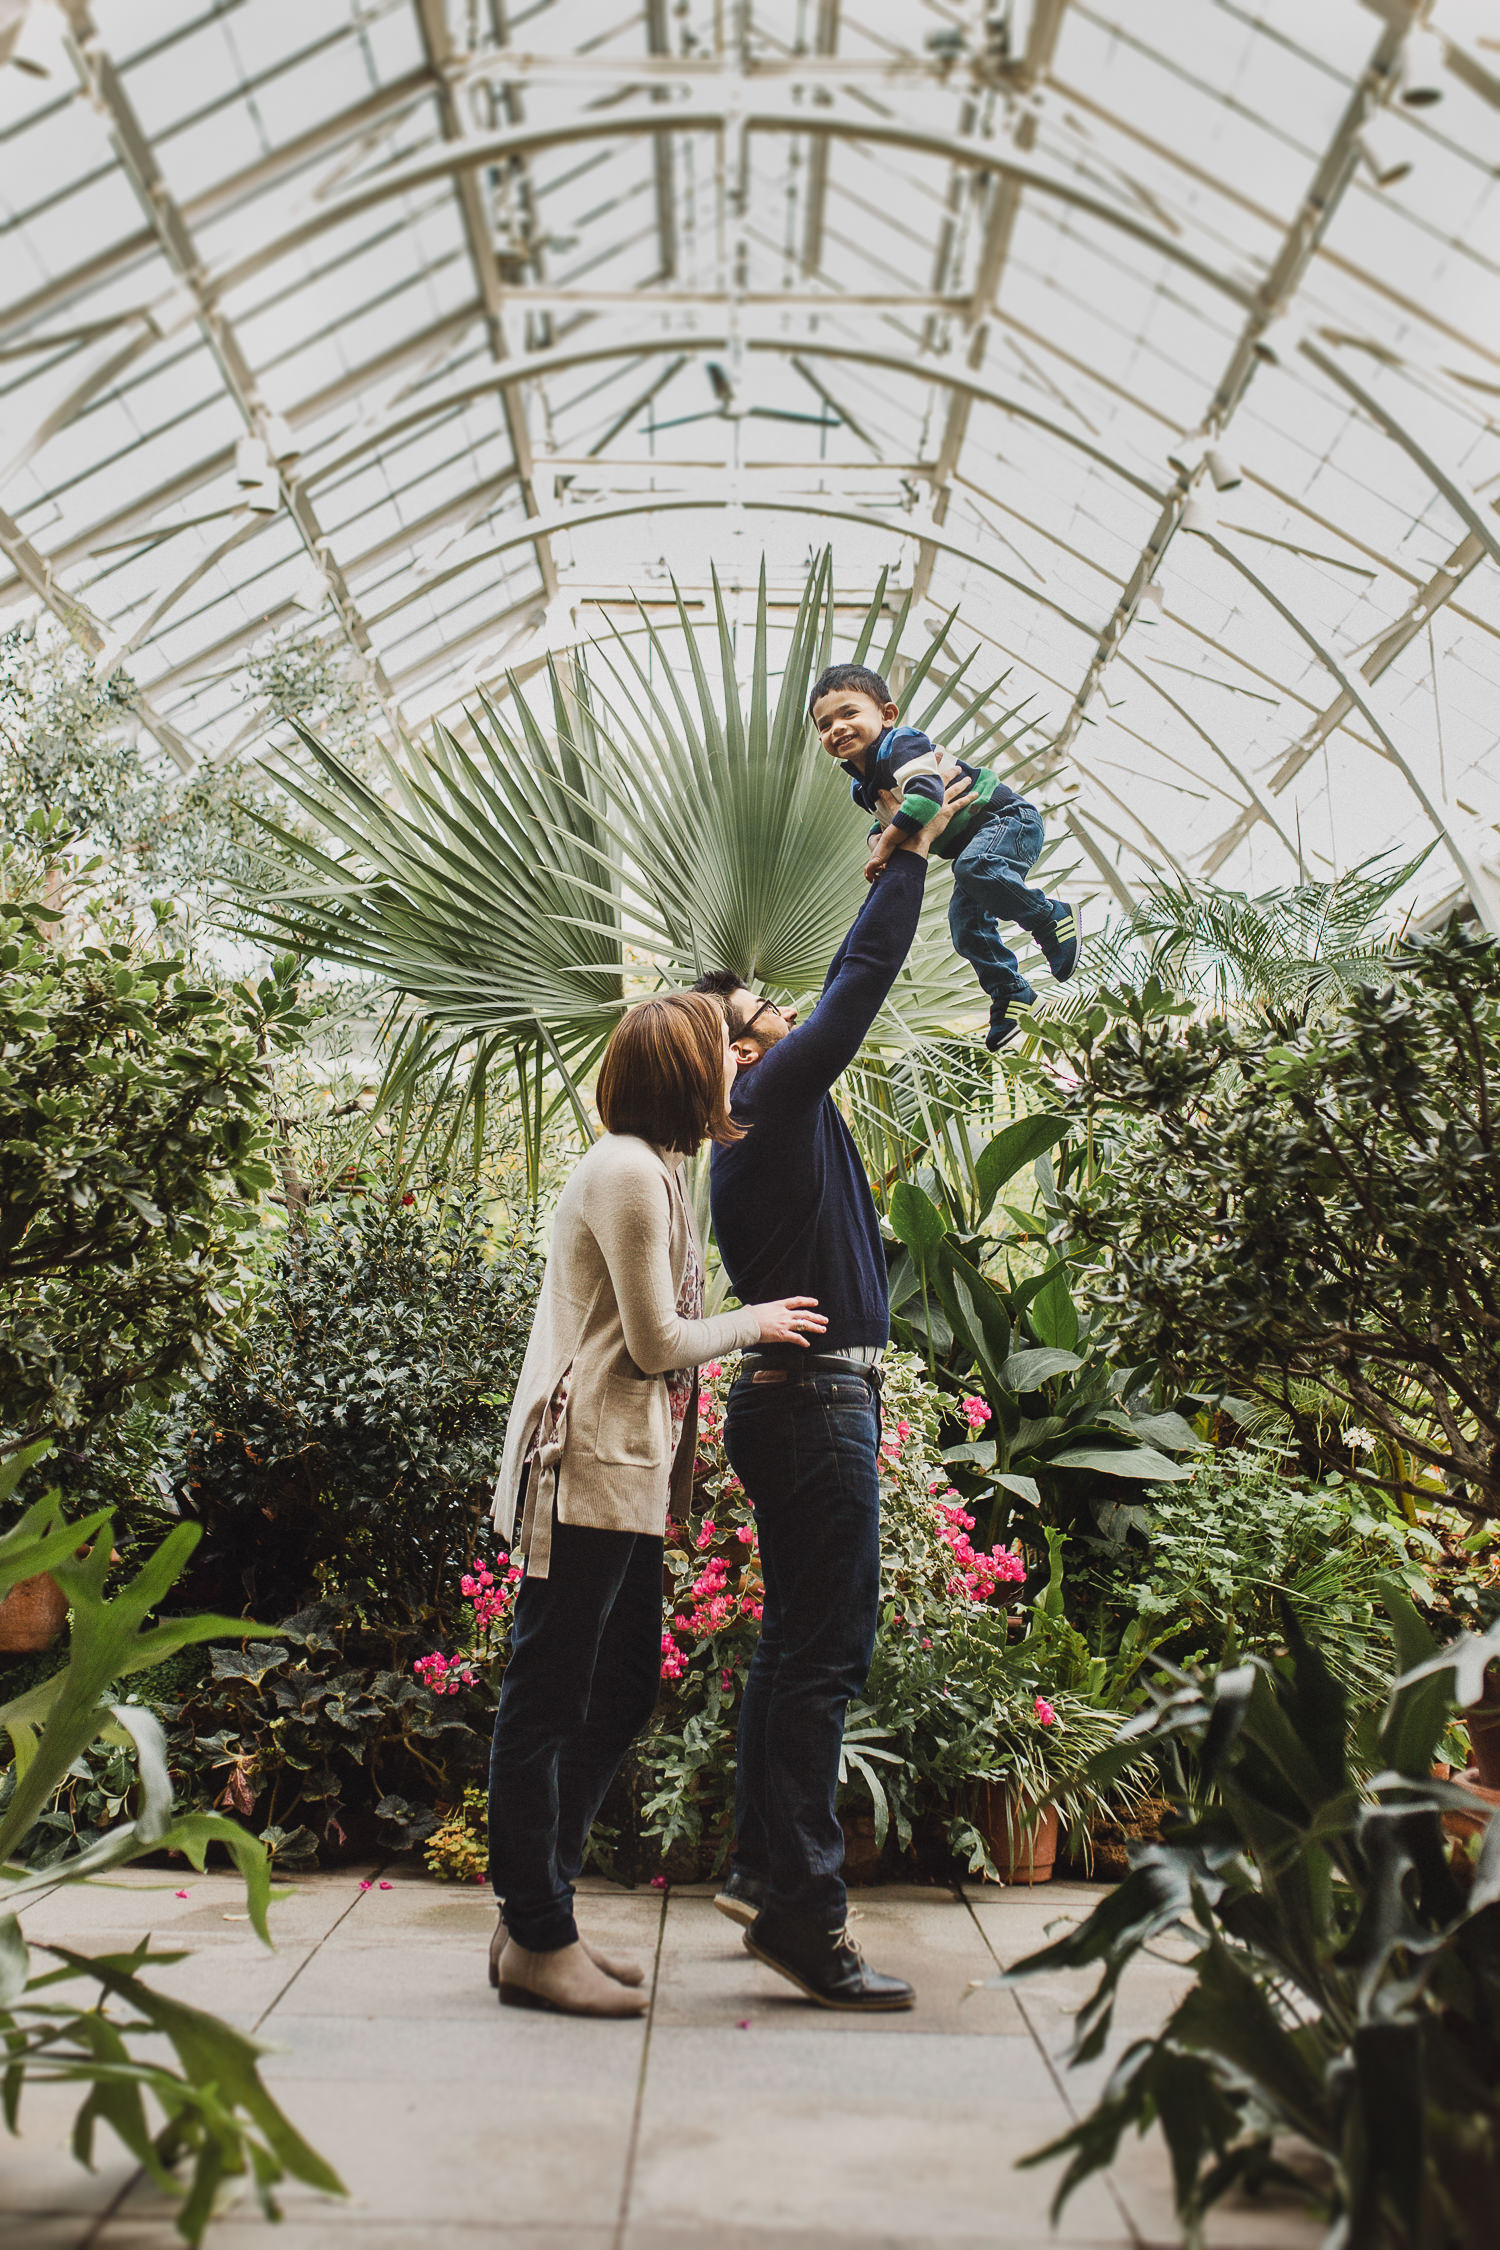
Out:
{"x": 754, "y": 1017}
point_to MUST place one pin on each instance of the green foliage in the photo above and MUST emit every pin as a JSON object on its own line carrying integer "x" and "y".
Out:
{"x": 220, "y": 2121}
{"x": 507, "y": 893}
{"x": 1347, "y": 1978}
{"x": 320, "y": 1740}
{"x": 1285, "y": 951}
{"x": 347, "y": 1443}
{"x": 1241, "y": 1538}
{"x": 1300, "y": 1203}
{"x": 76, "y": 786}
{"x": 1057, "y": 1410}
{"x": 132, "y": 1157}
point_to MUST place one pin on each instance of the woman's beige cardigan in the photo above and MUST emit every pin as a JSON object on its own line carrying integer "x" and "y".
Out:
{"x": 607, "y": 1318}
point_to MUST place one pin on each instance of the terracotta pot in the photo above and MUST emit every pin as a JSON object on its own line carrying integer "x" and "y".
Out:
{"x": 1467, "y": 1824}
{"x": 1483, "y": 1722}
{"x": 1022, "y": 1844}
{"x": 32, "y": 1615}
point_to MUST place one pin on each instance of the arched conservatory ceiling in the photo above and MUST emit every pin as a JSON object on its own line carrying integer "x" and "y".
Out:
{"x": 541, "y": 305}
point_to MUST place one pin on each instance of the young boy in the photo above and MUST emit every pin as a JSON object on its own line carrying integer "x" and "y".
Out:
{"x": 993, "y": 843}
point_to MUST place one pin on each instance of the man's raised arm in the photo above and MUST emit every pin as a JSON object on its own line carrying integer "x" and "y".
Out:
{"x": 800, "y": 1069}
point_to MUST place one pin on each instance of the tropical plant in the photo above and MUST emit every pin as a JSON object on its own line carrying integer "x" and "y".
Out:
{"x": 1346, "y": 1993}
{"x": 132, "y": 1157}
{"x": 1049, "y": 1408}
{"x": 516, "y": 881}
{"x": 220, "y": 2120}
{"x": 1293, "y": 951}
{"x": 1315, "y": 1203}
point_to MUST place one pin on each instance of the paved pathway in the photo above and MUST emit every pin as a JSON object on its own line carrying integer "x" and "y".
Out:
{"x": 734, "y": 2117}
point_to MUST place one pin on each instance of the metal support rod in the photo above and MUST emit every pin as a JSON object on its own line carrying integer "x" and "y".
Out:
{"x": 1373, "y": 704}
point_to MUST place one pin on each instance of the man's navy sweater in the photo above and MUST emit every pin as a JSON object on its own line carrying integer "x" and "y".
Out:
{"x": 792, "y": 1208}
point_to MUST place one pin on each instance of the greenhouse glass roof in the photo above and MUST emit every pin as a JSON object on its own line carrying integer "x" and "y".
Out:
{"x": 1163, "y": 342}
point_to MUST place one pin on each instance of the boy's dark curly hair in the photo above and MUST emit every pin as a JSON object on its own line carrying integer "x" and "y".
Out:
{"x": 846, "y": 676}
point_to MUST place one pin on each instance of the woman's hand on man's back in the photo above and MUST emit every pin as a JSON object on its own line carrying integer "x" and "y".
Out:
{"x": 790, "y": 1320}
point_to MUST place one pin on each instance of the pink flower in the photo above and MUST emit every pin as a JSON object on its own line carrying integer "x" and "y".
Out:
{"x": 707, "y": 1534}
{"x": 179, "y": 1894}
{"x": 386, "y": 1886}
{"x": 726, "y": 1681}
{"x": 1044, "y": 1711}
{"x": 705, "y": 1402}
{"x": 712, "y": 1371}
{"x": 743, "y": 2024}
{"x": 975, "y": 1412}
{"x": 367, "y": 1885}
{"x": 658, "y": 1882}
{"x": 746, "y": 1535}
{"x": 927, "y": 1644}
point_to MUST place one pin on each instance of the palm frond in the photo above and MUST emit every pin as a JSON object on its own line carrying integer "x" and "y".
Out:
{"x": 1291, "y": 950}
{"x": 518, "y": 885}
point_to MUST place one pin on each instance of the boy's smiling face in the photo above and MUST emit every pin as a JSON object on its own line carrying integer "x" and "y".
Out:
{"x": 850, "y": 722}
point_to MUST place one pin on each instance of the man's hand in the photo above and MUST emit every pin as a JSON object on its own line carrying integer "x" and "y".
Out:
{"x": 959, "y": 792}
{"x": 882, "y": 851}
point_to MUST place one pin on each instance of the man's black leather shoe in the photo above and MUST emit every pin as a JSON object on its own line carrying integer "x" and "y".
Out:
{"x": 825, "y": 1964}
{"x": 741, "y": 1897}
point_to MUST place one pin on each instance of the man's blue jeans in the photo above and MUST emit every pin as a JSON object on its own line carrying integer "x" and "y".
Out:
{"x": 989, "y": 887}
{"x": 806, "y": 1451}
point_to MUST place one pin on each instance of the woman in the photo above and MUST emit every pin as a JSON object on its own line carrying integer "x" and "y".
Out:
{"x": 602, "y": 1431}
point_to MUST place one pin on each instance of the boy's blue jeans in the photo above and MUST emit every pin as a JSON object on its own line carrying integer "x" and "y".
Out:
{"x": 807, "y": 1452}
{"x": 989, "y": 887}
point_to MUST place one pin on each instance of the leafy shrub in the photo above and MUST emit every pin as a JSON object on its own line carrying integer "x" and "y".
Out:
{"x": 220, "y": 2120}
{"x": 1228, "y": 1549}
{"x": 132, "y": 1157}
{"x": 1298, "y": 1204}
{"x": 1347, "y": 1977}
{"x": 347, "y": 1446}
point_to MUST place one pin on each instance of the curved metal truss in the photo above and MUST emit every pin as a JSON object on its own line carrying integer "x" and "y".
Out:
{"x": 451, "y": 330}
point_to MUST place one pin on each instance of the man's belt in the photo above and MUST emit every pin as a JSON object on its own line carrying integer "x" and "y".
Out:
{"x": 866, "y": 1357}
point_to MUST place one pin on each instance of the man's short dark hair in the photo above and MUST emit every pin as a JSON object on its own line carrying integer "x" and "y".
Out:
{"x": 722, "y": 985}
{"x": 857, "y": 676}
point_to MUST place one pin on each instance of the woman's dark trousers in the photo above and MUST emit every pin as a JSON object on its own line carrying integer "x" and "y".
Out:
{"x": 807, "y": 1452}
{"x": 582, "y": 1681}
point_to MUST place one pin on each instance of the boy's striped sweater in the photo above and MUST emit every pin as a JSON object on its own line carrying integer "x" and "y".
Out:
{"x": 906, "y": 761}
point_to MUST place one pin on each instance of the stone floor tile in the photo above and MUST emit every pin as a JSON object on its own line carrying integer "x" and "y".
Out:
{"x": 453, "y": 2145}
{"x": 853, "y": 2134}
{"x": 141, "y": 1899}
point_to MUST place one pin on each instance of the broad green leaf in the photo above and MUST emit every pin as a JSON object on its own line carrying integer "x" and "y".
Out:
{"x": 1052, "y": 1312}
{"x": 1028, "y": 1370}
{"x": 1014, "y": 1146}
{"x": 1141, "y": 1462}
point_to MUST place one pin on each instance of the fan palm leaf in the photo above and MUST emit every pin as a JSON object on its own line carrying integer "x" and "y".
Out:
{"x": 512, "y": 890}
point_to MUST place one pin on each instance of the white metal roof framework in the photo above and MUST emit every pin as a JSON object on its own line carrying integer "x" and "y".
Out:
{"x": 1164, "y": 342}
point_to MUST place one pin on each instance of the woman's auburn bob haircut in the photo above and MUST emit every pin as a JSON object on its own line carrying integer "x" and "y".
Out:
{"x": 662, "y": 1077}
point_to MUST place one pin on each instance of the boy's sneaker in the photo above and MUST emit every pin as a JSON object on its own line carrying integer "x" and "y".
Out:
{"x": 1002, "y": 1032}
{"x": 1062, "y": 948}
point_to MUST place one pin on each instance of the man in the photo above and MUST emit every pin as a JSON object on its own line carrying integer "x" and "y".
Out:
{"x": 793, "y": 1213}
